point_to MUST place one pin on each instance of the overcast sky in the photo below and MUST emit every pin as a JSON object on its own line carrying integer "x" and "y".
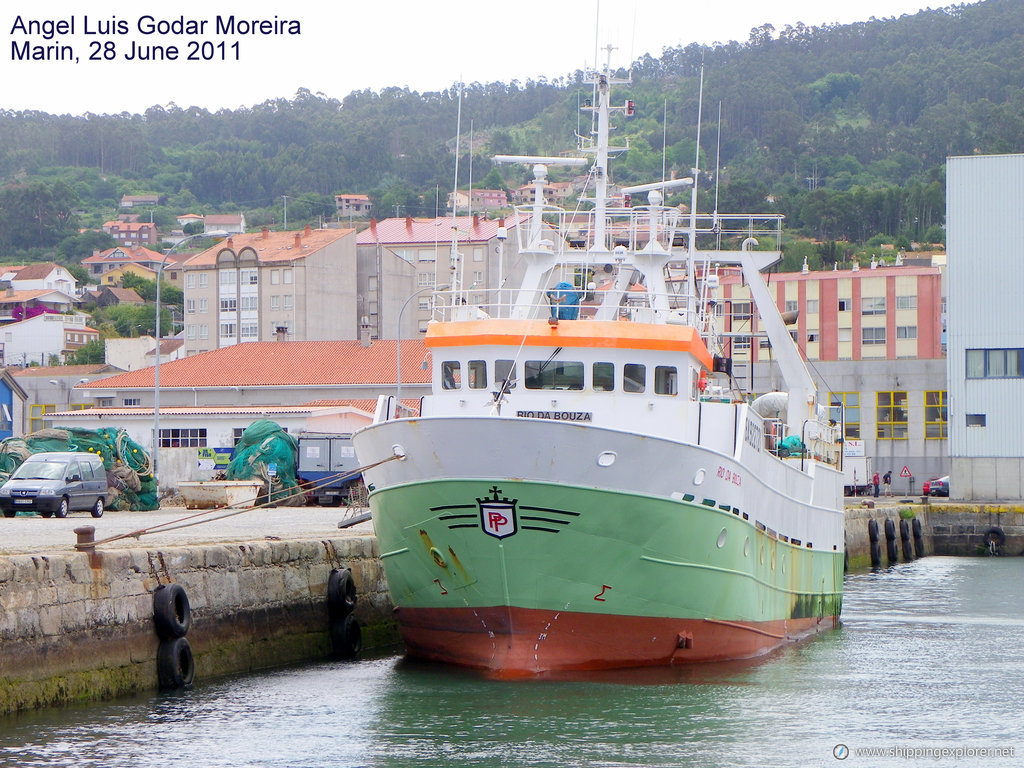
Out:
{"x": 345, "y": 46}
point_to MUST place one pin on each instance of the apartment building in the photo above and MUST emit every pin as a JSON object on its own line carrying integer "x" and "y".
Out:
{"x": 352, "y": 205}
{"x": 401, "y": 259}
{"x": 294, "y": 286}
{"x": 129, "y": 233}
{"x": 874, "y": 340}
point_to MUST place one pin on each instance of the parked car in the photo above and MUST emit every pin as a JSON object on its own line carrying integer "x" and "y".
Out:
{"x": 55, "y": 484}
{"x": 939, "y": 487}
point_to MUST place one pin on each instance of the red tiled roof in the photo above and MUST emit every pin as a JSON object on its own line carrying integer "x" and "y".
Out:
{"x": 437, "y": 230}
{"x": 367, "y": 406}
{"x": 272, "y": 246}
{"x": 125, "y": 294}
{"x": 283, "y": 363}
{"x": 167, "y": 346}
{"x": 49, "y": 371}
{"x": 133, "y": 254}
{"x": 213, "y": 410}
{"x": 129, "y": 226}
{"x": 36, "y": 271}
{"x": 17, "y": 297}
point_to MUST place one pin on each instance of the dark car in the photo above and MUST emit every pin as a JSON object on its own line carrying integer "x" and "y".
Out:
{"x": 939, "y": 487}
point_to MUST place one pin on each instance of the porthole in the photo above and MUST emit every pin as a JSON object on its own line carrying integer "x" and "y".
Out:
{"x": 746, "y": 547}
{"x": 721, "y": 538}
{"x": 762, "y": 554}
{"x": 606, "y": 458}
{"x": 699, "y": 477}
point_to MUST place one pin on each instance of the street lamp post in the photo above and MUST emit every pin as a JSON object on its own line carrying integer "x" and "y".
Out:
{"x": 156, "y": 331}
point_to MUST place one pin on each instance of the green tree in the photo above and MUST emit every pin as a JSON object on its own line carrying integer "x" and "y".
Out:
{"x": 90, "y": 353}
{"x": 36, "y": 215}
{"x": 82, "y": 245}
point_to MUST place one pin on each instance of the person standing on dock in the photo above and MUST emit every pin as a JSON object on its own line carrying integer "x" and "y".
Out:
{"x": 874, "y": 481}
{"x": 887, "y": 480}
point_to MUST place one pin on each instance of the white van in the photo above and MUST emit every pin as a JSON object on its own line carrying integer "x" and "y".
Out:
{"x": 55, "y": 484}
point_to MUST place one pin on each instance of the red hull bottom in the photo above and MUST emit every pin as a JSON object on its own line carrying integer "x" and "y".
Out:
{"x": 517, "y": 642}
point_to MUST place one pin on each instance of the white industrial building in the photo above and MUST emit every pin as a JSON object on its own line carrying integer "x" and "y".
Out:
{"x": 985, "y": 243}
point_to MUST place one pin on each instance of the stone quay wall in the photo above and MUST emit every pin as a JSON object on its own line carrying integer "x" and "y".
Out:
{"x": 947, "y": 528}
{"x": 78, "y": 626}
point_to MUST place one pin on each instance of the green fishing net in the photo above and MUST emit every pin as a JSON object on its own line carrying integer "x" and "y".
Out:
{"x": 266, "y": 452}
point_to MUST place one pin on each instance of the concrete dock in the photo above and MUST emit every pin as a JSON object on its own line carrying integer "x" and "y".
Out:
{"x": 79, "y": 625}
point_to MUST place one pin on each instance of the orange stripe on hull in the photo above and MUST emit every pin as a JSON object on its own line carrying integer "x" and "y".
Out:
{"x": 518, "y": 642}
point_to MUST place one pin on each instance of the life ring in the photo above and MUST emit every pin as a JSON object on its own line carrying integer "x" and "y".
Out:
{"x": 341, "y": 594}
{"x": 175, "y": 665}
{"x": 346, "y": 638}
{"x": 702, "y": 380}
{"x": 171, "y": 611}
{"x": 872, "y": 530}
{"x": 995, "y": 535}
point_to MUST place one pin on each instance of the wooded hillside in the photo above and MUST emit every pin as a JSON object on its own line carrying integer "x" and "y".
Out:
{"x": 844, "y": 129}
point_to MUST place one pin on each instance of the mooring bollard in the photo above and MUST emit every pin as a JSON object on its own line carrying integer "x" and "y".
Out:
{"x": 86, "y": 537}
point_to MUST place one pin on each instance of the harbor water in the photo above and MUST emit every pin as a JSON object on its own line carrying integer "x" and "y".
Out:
{"x": 927, "y": 669}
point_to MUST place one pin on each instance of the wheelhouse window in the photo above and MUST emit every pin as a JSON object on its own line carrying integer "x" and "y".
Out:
{"x": 477, "y": 371}
{"x": 634, "y": 377}
{"x": 505, "y": 373}
{"x": 666, "y": 380}
{"x": 844, "y": 408}
{"x": 552, "y": 374}
{"x": 451, "y": 374}
{"x": 604, "y": 377}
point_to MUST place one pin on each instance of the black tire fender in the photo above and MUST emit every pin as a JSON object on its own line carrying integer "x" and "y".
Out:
{"x": 915, "y": 527}
{"x": 346, "y": 638}
{"x": 890, "y": 530}
{"x": 172, "y": 613}
{"x": 995, "y": 535}
{"x": 904, "y": 530}
{"x": 341, "y": 594}
{"x": 175, "y": 665}
{"x": 872, "y": 530}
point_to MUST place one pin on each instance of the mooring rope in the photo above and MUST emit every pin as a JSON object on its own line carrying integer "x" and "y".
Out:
{"x": 190, "y": 520}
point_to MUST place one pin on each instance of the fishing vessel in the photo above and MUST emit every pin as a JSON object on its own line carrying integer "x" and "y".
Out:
{"x": 587, "y": 486}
